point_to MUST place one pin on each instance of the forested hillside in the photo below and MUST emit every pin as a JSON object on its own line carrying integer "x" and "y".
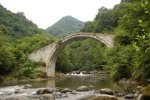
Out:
{"x": 129, "y": 21}
{"x": 16, "y": 24}
{"x": 19, "y": 37}
{"x": 65, "y": 26}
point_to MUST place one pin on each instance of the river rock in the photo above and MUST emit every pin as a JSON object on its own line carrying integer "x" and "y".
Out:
{"x": 66, "y": 90}
{"x": 44, "y": 91}
{"x": 107, "y": 91}
{"x": 83, "y": 88}
{"x": 59, "y": 89}
{"x": 74, "y": 92}
{"x": 47, "y": 97}
{"x": 18, "y": 91}
{"x": 129, "y": 96}
{"x": 78, "y": 72}
{"x": 84, "y": 72}
{"x": 140, "y": 97}
{"x": 104, "y": 97}
{"x": 88, "y": 72}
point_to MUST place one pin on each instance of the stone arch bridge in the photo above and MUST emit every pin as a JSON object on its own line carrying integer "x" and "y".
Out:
{"x": 49, "y": 54}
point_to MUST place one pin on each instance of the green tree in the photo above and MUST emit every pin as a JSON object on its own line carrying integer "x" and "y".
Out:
{"x": 7, "y": 58}
{"x": 82, "y": 55}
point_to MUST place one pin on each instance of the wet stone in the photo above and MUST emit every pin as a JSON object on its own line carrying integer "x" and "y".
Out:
{"x": 44, "y": 91}
{"x": 66, "y": 90}
{"x": 83, "y": 88}
{"x": 107, "y": 91}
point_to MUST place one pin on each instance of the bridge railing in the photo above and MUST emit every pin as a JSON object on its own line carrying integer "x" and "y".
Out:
{"x": 98, "y": 36}
{"x": 77, "y": 35}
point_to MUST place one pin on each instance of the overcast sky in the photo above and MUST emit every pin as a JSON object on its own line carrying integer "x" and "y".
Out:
{"x": 44, "y": 13}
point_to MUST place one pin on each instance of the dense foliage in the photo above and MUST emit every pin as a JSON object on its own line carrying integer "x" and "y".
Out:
{"x": 84, "y": 55}
{"x": 105, "y": 21}
{"x": 13, "y": 54}
{"x": 129, "y": 21}
{"x": 134, "y": 30}
{"x": 65, "y": 26}
{"x": 19, "y": 37}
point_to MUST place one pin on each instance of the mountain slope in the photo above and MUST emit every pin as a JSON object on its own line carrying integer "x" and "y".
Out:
{"x": 65, "y": 26}
{"x": 16, "y": 24}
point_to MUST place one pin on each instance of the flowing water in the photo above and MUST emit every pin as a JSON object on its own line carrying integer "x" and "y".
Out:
{"x": 72, "y": 81}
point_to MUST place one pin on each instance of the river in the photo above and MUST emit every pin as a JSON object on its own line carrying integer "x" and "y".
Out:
{"x": 74, "y": 81}
{"x": 95, "y": 82}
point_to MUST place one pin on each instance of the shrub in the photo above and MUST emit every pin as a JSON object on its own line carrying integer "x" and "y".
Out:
{"x": 26, "y": 69}
{"x": 39, "y": 74}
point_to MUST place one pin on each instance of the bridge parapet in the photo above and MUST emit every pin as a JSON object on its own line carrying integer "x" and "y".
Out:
{"x": 104, "y": 38}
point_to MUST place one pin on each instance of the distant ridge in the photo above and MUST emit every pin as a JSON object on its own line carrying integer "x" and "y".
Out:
{"x": 65, "y": 26}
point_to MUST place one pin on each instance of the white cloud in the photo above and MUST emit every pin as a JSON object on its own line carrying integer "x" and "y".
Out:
{"x": 46, "y": 12}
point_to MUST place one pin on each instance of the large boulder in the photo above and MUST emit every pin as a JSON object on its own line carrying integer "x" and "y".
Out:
{"x": 66, "y": 90}
{"x": 106, "y": 91}
{"x": 83, "y": 88}
{"x": 104, "y": 97}
{"x": 44, "y": 91}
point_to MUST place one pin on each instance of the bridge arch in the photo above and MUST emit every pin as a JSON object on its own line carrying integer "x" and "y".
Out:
{"x": 50, "y": 53}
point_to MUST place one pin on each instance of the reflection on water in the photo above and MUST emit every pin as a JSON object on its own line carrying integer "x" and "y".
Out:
{"x": 43, "y": 84}
{"x": 97, "y": 81}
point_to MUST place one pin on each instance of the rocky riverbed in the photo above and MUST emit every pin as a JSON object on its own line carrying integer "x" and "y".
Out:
{"x": 75, "y": 86}
{"x": 26, "y": 92}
